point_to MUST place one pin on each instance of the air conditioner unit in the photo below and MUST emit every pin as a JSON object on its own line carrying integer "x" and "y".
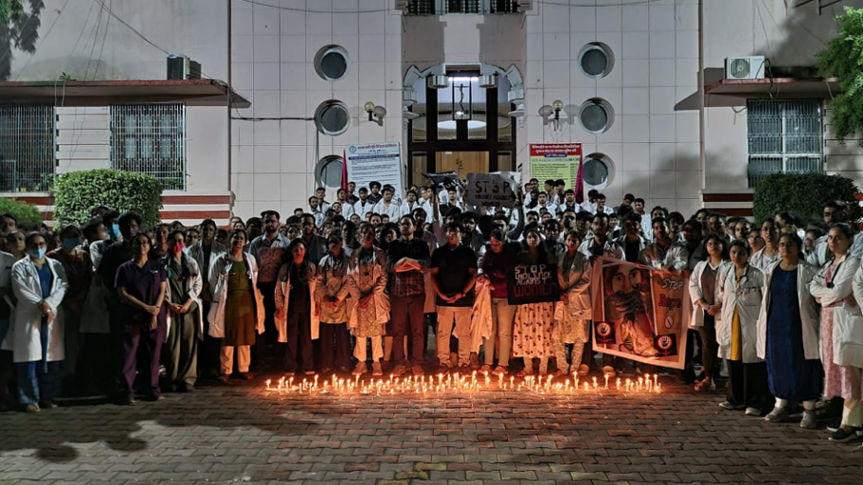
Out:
{"x": 747, "y": 67}
{"x": 181, "y": 67}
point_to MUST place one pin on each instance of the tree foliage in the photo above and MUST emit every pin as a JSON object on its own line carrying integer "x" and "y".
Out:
{"x": 77, "y": 193}
{"x": 28, "y": 215}
{"x": 802, "y": 194}
{"x": 19, "y": 30}
{"x": 843, "y": 58}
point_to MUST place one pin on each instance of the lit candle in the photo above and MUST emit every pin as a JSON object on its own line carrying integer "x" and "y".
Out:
{"x": 606, "y": 381}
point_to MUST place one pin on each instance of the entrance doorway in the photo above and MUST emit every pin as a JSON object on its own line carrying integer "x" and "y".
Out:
{"x": 462, "y": 163}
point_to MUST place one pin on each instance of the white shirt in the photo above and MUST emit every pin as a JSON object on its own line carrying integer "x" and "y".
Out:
{"x": 391, "y": 210}
{"x": 362, "y": 208}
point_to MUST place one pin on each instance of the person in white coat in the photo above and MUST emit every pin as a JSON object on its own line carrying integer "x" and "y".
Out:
{"x": 741, "y": 293}
{"x": 205, "y": 252}
{"x": 238, "y": 310}
{"x": 297, "y": 315}
{"x": 788, "y": 333}
{"x": 832, "y": 288}
{"x": 39, "y": 285}
{"x": 706, "y": 305}
{"x": 7, "y": 369}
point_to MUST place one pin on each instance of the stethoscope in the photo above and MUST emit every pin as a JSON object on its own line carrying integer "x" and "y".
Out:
{"x": 823, "y": 272}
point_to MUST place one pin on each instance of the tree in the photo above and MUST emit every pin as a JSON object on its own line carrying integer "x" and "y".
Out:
{"x": 18, "y": 30}
{"x": 783, "y": 192}
{"x": 843, "y": 58}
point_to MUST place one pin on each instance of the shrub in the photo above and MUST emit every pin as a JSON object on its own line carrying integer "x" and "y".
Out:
{"x": 28, "y": 215}
{"x": 802, "y": 194}
{"x": 77, "y": 193}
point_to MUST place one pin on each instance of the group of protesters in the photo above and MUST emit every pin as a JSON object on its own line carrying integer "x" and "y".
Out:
{"x": 358, "y": 284}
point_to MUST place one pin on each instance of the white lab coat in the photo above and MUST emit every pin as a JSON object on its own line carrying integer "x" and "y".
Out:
{"x": 197, "y": 253}
{"x": 806, "y": 306}
{"x": 841, "y": 295}
{"x": 695, "y": 291}
{"x": 746, "y": 296}
{"x": 219, "y": 284}
{"x": 27, "y": 318}
{"x": 392, "y": 210}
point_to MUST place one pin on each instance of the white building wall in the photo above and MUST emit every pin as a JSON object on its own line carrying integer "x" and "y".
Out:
{"x": 273, "y": 51}
{"x": 654, "y": 150}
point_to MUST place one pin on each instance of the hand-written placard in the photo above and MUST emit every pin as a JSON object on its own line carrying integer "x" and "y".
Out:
{"x": 533, "y": 283}
{"x": 496, "y": 188}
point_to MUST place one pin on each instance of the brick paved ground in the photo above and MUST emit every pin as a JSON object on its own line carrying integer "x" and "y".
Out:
{"x": 243, "y": 434}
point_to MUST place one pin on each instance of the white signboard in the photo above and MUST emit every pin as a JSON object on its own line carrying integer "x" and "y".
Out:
{"x": 372, "y": 162}
{"x": 494, "y": 189}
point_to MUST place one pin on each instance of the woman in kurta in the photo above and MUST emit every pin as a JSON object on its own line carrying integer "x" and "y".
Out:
{"x": 534, "y": 322}
{"x": 333, "y": 299}
{"x": 740, "y": 292}
{"x": 370, "y": 313}
{"x": 39, "y": 285}
{"x": 788, "y": 333}
{"x": 185, "y": 323}
{"x": 706, "y": 305}
{"x": 832, "y": 287}
{"x": 769, "y": 254}
{"x": 237, "y": 311}
{"x": 572, "y": 315}
{"x": 297, "y": 317}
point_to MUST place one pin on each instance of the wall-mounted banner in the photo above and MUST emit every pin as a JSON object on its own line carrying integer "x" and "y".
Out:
{"x": 640, "y": 313}
{"x": 555, "y": 161}
{"x": 495, "y": 188}
{"x": 372, "y": 162}
{"x": 533, "y": 283}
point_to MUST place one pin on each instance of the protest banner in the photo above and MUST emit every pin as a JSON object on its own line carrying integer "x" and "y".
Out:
{"x": 555, "y": 161}
{"x": 444, "y": 180}
{"x": 640, "y": 313}
{"x": 379, "y": 162}
{"x": 495, "y": 188}
{"x": 533, "y": 283}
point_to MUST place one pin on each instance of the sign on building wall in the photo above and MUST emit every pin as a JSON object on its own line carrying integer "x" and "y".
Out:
{"x": 372, "y": 162}
{"x": 555, "y": 161}
{"x": 640, "y": 313}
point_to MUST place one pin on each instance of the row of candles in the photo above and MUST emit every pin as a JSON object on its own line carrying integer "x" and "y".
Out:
{"x": 464, "y": 383}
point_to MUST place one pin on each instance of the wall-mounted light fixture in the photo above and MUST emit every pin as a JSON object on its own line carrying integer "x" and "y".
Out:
{"x": 552, "y": 112}
{"x": 376, "y": 113}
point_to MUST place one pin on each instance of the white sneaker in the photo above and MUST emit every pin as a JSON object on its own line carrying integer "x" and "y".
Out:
{"x": 752, "y": 411}
{"x": 609, "y": 371}
{"x": 808, "y": 421}
{"x": 777, "y": 415}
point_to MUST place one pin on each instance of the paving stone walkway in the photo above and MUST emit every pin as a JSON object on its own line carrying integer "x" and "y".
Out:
{"x": 241, "y": 433}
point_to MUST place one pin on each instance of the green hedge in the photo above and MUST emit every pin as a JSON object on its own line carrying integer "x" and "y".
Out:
{"x": 802, "y": 194}
{"x": 77, "y": 193}
{"x": 28, "y": 215}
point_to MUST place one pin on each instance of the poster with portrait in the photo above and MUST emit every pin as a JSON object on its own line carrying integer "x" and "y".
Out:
{"x": 640, "y": 313}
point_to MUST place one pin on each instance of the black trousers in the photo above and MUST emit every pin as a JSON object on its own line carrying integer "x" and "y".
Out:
{"x": 269, "y": 338}
{"x": 298, "y": 356}
{"x": 334, "y": 344}
{"x": 709, "y": 349}
{"x": 747, "y": 385}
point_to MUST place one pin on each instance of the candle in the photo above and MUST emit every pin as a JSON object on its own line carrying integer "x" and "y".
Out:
{"x": 606, "y": 381}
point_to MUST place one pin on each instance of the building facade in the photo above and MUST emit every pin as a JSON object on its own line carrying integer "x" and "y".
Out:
{"x": 466, "y": 85}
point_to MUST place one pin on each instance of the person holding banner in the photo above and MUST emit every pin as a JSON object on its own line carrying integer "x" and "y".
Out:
{"x": 832, "y": 287}
{"x": 788, "y": 333}
{"x": 532, "y": 334}
{"x": 740, "y": 292}
{"x": 706, "y": 306}
{"x": 572, "y": 315}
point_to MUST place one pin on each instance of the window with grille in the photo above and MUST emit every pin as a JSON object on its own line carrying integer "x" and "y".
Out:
{"x": 443, "y": 7}
{"x": 784, "y": 136}
{"x": 27, "y": 153}
{"x": 150, "y": 139}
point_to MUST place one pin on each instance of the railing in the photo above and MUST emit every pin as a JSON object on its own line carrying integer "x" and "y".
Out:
{"x": 446, "y": 7}
{"x": 27, "y": 152}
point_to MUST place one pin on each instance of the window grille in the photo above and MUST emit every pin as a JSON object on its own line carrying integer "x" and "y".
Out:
{"x": 27, "y": 148}
{"x": 443, "y": 7}
{"x": 784, "y": 137}
{"x": 150, "y": 139}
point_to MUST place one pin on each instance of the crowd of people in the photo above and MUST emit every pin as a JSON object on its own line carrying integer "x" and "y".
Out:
{"x": 357, "y": 285}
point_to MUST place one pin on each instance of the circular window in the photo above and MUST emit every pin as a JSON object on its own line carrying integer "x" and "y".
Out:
{"x": 596, "y": 59}
{"x": 328, "y": 172}
{"x": 596, "y": 115}
{"x": 598, "y": 170}
{"x": 331, "y": 62}
{"x": 332, "y": 117}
